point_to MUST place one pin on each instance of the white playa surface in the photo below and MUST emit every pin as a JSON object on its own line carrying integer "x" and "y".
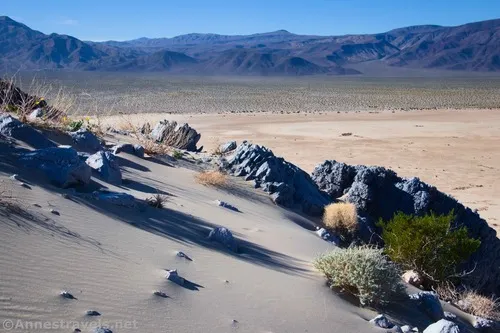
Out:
{"x": 455, "y": 150}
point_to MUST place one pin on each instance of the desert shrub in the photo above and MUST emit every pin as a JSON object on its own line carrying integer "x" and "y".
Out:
{"x": 157, "y": 201}
{"x": 428, "y": 244}
{"x": 341, "y": 218}
{"x": 211, "y": 178}
{"x": 75, "y": 125}
{"x": 479, "y": 305}
{"x": 363, "y": 271}
{"x": 470, "y": 301}
{"x": 177, "y": 154}
{"x": 153, "y": 148}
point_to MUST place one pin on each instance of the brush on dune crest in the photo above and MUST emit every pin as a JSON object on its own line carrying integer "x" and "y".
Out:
{"x": 211, "y": 178}
{"x": 341, "y": 218}
{"x": 364, "y": 272}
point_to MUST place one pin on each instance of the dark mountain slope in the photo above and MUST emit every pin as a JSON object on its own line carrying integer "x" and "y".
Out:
{"x": 469, "y": 47}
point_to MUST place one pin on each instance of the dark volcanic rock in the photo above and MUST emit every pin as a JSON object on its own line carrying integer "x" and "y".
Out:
{"x": 288, "y": 185}
{"x": 61, "y": 165}
{"x": 13, "y": 128}
{"x": 86, "y": 141}
{"x": 106, "y": 164}
{"x": 429, "y": 303}
{"x": 129, "y": 148}
{"x": 379, "y": 193}
{"x": 225, "y": 237}
{"x": 177, "y": 136}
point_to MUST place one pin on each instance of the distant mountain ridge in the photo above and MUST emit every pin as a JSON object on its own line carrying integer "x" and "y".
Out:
{"x": 469, "y": 47}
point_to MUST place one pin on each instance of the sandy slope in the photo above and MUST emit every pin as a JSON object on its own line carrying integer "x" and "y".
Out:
{"x": 113, "y": 258}
{"x": 455, "y": 150}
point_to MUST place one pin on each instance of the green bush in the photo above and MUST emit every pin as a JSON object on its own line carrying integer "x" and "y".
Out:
{"x": 428, "y": 244}
{"x": 75, "y": 125}
{"x": 364, "y": 272}
{"x": 177, "y": 154}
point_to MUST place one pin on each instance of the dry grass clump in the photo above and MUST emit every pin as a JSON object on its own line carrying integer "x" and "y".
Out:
{"x": 153, "y": 148}
{"x": 157, "y": 201}
{"x": 470, "y": 301}
{"x": 364, "y": 272}
{"x": 211, "y": 178}
{"x": 341, "y": 218}
{"x": 480, "y": 305}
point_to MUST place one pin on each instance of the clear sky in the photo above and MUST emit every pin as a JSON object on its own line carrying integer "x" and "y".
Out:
{"x": 128, "y": 19}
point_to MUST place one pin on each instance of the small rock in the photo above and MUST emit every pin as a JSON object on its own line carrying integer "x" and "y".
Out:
{"x": 160, "y": 294}
{"x": 225, "y": 237}
{"x": 66, "y": 294}
{"x": 107, "y": 165}
{"x": 86, "y": 140}
{"x": 93, "y": 313}
{"x": 37, "y": 205}
{"x": 450, "y": 316}
{"x": 442, "y": 326}
{"x": 173, "y": 276}
{"x": 486, "y": 325}
{"x": 35, "y": 114}
{"x": 77, "y": 330}
{"x": 55, "y": 212}
{"x": 15, "y": 177}
{"x": 129, "y": 148}
{"x": 412, "y": 277}
{"x": 226, "y": 205}
{"x": 102, "y": 330}
{"x": 181, "y": 254}
{"x": 227, "y": 147}
{"x": 406, "y": 329}
{"x": 115, "y": 198}
{"x": 429, "y": 302}
{"x": 382, "y": 321}
{"x": 24, "y": 185}
{"x": 323, "y": 233}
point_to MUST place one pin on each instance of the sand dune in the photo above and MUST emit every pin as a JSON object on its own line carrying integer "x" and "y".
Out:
{"x": 112, "y": 259}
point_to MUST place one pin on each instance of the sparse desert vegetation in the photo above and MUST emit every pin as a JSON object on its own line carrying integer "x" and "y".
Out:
{"x": 213, "y": 178}
{"x": 157, "y": 201}
{"x": 364, "y": 272}
{"x": 341, "y": 218}
{"x": 126, "y": 93}
{"x": 429, "y": 245}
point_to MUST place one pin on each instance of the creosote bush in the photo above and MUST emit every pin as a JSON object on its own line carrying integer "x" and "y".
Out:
{"x": 363, "y": 271}
{"x": 341, "y": 218}
{"x": 211, "y": 178}
{"x": 428, "y": 244}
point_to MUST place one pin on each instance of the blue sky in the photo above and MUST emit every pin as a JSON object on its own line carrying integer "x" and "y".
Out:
{"x": 128, "y": 19}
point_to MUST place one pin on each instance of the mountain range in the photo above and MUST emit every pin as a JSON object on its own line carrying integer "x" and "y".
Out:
{"x": 469, "y": 47}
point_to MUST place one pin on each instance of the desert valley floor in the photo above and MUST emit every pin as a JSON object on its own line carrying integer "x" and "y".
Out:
{"x": 455, "y": 150}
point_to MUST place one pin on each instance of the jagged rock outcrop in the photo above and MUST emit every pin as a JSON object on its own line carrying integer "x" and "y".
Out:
{"x": 61, "y": 165}
{"x": 379, "y": 193}
{"x": 228, "y": 147}
{"x": 177, "y": 136}
{"x": 13, "y": 128}
{"x": 288, "y": 185}
{"x": 106, "y": 165}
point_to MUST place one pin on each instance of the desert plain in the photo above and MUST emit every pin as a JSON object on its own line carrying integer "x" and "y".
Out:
{"x": 112, "y": 259}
